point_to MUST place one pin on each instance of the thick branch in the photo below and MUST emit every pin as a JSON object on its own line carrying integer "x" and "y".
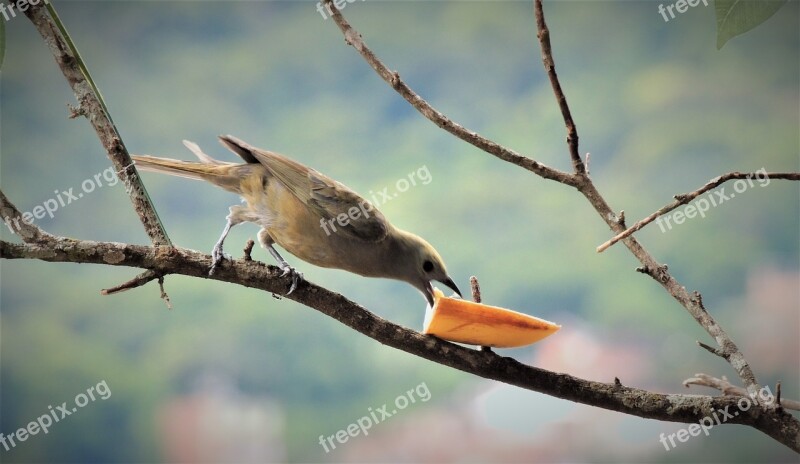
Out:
{"x": 162, "y": 261}
{"x": 93, "y": 109}
{"x": 685, "y": 198}
{"x": 675, "y": 408}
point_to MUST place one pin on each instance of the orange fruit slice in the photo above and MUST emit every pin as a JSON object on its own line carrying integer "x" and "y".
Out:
{"x": 472, "y": 323}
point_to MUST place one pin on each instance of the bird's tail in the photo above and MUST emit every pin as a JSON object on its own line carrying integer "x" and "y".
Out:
{"x": 219, "y": 173}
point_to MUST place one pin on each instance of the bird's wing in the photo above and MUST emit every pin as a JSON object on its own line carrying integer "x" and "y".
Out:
{"x": 331, "y": 200}
{"x": 327, "y": 198}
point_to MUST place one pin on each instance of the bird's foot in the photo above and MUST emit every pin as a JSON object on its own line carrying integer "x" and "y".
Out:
{"x": 217, "y": 256}
{"x": 297, "y": 276}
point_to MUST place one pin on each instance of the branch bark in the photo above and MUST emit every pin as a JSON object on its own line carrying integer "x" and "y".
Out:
{"x": 613, "y": 396}
{"x": 91, "y": 106}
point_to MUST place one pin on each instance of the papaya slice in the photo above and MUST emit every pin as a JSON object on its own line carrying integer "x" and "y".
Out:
{"x": 472, "y": 323}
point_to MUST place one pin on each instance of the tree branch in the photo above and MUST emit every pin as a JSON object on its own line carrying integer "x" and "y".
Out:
{"x": 91, "y": 106}
{"x": 579, "y": 180}
{"x": 727, "y": 388}
{"x": 673, "y": 408}
{"x": 684, "y": 198}
{"x": 353, "y": 38}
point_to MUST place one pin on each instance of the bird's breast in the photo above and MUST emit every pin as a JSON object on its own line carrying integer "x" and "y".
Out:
{"x": 304, "y": 233}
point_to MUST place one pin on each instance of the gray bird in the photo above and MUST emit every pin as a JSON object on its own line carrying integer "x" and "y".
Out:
{"x": 310, "y": 215}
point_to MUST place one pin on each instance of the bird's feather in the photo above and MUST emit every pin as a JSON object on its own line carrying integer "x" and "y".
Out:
{"x": 321, "y": 194}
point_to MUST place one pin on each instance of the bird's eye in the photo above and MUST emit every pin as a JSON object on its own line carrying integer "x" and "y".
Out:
{"x": 427, "y": 266}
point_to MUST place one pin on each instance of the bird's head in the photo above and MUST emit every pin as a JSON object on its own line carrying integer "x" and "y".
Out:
{"x": 422, "y": 264}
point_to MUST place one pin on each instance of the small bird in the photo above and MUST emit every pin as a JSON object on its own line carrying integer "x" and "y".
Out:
{"x": 310, "y": 215}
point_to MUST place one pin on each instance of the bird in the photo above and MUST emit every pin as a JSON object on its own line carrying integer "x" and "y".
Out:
{"x": 315, "y": 218}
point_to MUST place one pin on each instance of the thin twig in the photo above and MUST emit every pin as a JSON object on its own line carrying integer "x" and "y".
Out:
{"x": 248, "y": 250}
{"x": 727, "y": 388}
{"x": 476, "y": 289}
{"x": 712, "y": 350}
{"x": 353, "y": 38}
{"x": 164, "y": 295}
{"x": 476, "y": 297}
{"x": 12, "y": 218}
{"x": 682, "y": 199}
{"x": 550, "y": 67}
{"x": 137, "y": 281}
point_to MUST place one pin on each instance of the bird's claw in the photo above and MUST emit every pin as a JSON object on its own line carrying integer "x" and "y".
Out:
{"x": 217, "y": 256}
{"x": 297, "y": 276}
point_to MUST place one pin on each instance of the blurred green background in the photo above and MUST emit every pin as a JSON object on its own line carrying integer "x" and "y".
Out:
{"x": 233, "y": 375}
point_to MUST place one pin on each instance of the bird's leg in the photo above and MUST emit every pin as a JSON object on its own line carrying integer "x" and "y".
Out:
{"x": 266, "y": 242}
{"x": 217, "y": 255}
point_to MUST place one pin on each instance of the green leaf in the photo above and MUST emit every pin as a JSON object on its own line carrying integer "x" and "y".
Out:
{"x": 2, "y": 41}
{"x": 735, "y": 17}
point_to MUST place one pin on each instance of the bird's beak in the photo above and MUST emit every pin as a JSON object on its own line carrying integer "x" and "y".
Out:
{"x": 452, "y": 285}
{"x": 429, "y": 289}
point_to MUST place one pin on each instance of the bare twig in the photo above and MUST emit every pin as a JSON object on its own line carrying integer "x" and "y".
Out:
{"x": 353, "y": 38}
{"x": 682, "y": 199}
{"x": 550, "y": 68}
{"x": 164, "y": 295}
{"x": 476, "y": 289}
{"x": 13, "y": 219}
{"x": 137, "y": 281}
{"x": 90, "y": 105}
{"x": 476, "y": 297}
{"x": 248, "y": 250}
{"x": 727, "y": 388}
{"x": 712, "y": 350}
